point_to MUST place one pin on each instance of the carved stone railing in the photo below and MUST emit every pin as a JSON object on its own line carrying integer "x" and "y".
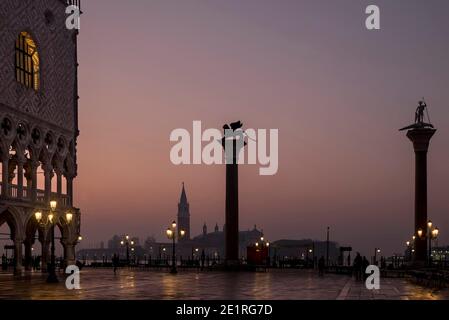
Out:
{"x": 13, "y": 193}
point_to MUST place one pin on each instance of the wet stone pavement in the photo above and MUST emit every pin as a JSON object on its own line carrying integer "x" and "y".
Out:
{"x": 275, "y": 284}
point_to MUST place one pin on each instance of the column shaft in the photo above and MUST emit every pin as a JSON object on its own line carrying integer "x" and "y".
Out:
{"x": 20, "y": 180}
{"x": 18, "y": 256}
{"x": 5, "y": 177}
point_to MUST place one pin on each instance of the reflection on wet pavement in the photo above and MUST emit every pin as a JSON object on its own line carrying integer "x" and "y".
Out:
{"x": 275, "y": 284}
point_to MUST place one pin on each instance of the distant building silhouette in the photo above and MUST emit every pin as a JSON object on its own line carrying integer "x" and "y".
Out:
{"x": 184, "y": 215}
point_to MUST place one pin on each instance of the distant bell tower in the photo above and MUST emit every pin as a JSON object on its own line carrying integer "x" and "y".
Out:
{"x": 184, "y": 215}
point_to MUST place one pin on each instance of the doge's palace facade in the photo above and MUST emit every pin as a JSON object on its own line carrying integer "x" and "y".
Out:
{"x": 38, "y": 126}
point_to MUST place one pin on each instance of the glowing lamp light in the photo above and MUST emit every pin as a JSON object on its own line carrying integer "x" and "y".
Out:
{"x": 173, "y": 224}
{"x": 80, "y": 238}
{"x": 429, "y": 224}
{"x": 407, "y": 243}
{"x": 182, "y": 233}
{"x": 53, "y": 205}
{"x": 38, "y": 216}
{"x": 122, "y": 242}
{"x": 378, "y": 250}
{"x": 420, "y": 233}
{"x": 435, "y": 232}
{"x": 169, "y": 233}
{"x": 69, "y": 217}
{"x": 268, "y": 244}
{"x": 257, "y": 244}
{"x": 127, "y": 237}
{"x": 50, "y": 217}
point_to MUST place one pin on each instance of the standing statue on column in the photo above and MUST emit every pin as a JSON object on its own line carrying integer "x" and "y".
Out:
{"x": 419, "y": 113}
{"x": 419, "y": 117}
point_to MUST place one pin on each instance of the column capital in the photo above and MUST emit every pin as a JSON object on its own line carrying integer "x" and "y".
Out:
{"x": 421, "y": 138}
{"x": 21, "y": 159}
{"x": 47, "y": 167}
{"x": 58, "y": 171}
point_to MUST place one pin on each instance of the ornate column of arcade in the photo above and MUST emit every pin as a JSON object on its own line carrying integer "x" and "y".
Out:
{"x": 5, "y": 175}
{"x": 58, "y": 172}
{"x": 20, "y": 163}
{"x": 18, "y": 255}
{"x": 69, "y": 187}
{"x": 69, "y": 252}
{"x": 45, "y": 246}
{"x": 30, "y": 168}
{"x": 48, "y": 173}
{"x": 28, "y": 253}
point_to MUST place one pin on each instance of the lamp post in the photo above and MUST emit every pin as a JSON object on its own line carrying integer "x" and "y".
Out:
{"x": 127, "y": 242}
{"x": 51, "y": 219}
{"x": 376, "y": 251}
{"x": 172, "y": 234}
{"x": 264, "y": 248}
{"x": 408, "y": 255}
{"x": 432, "y": 233}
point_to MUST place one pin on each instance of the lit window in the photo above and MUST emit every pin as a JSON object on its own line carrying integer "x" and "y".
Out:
{"x": 27, "y": 61}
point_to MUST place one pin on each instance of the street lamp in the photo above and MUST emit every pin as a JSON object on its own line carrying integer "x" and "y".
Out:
{"x": 51, "y": 219}
{"x": 432, "y": 233}
{"x": 171, "y": 234}
{"x": 435, "y": 232}
{"x": 376, "y": 251}
{"x": 409, "y": 252}
{"x": 126, "y": 242}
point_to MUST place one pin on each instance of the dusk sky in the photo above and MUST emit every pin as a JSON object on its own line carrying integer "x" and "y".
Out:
{"x": 337, "y": 92}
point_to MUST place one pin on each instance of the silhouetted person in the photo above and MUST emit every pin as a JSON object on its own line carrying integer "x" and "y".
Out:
{"x": 4, "y": 262}
{"x": 203, "y": 258}
{"x": 365, "y": 264}
{"x": 321, "y": 266}
{"x": 115, "y": 262}
{"x": 357, "y": 266}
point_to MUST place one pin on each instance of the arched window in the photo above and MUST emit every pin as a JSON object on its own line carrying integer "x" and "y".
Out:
{"x": 27, "y": 61}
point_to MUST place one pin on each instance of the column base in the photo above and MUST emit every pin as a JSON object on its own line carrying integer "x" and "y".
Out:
{"x": 419, "y": 264}
{"x": 232, "y": 265}
{"x": 18, "y": 271}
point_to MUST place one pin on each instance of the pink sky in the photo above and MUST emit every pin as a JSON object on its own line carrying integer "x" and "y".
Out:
{"x": 336, "y": 92}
